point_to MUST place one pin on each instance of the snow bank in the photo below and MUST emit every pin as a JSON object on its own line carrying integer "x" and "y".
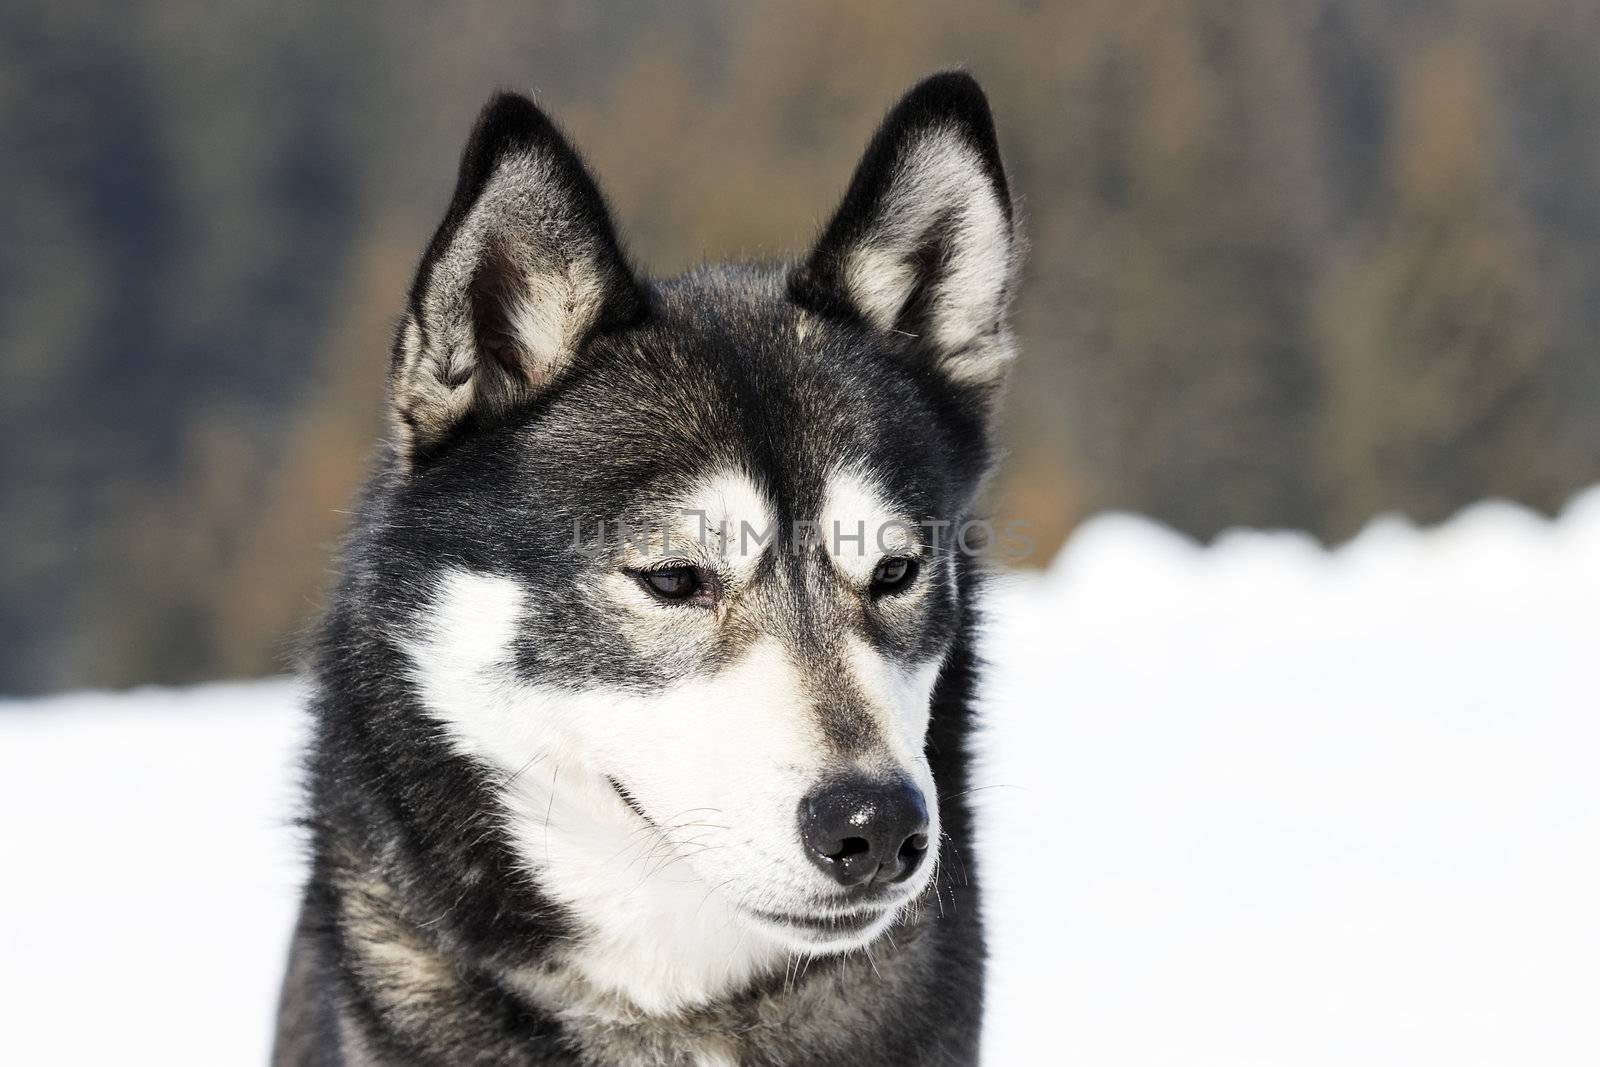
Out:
{"x": 1250, "y": 804}
{"x": 150, "y": 874}
{"x": 1274, "y": 805}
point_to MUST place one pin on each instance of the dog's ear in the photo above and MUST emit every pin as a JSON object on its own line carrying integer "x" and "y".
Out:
{"x": 523, "y": 271}
{"x": 924, "y": 243}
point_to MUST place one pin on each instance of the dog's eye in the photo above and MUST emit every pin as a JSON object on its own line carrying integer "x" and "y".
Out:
{"x": 893, "y": 574}
{"x": 672, "y": 583}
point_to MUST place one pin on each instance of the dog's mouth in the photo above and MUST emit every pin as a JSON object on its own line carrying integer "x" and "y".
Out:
{"x": 842, "y": 924}
{"x": 819, "y": 927}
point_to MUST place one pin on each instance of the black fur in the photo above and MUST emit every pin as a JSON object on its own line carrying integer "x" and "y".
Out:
{"x": 408, "y": 848}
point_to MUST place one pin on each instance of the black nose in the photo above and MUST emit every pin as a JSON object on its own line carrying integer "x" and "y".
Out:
{"x": 861, "y": 832}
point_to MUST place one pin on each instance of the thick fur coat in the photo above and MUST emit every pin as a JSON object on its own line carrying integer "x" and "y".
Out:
{"x": 645, "y": 565}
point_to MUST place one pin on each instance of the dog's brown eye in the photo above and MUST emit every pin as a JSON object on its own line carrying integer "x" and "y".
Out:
{"x": 893, "y": 574}
{"x": 672, "y": 583}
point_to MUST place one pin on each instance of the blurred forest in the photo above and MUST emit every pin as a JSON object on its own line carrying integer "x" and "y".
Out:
{"x": 1293, "y": 262}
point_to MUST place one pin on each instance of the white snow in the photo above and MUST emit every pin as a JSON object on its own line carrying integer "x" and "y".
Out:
{"x": 150, "y": 873}
{"x": 1252, "y": 804}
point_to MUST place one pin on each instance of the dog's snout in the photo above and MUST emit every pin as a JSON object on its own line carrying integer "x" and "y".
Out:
{"x": 863, "y": 832}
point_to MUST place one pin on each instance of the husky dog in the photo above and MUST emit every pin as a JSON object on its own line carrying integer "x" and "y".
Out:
{"x": 642, "y": 702}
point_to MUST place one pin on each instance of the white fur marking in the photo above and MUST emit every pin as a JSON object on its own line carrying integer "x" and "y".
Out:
{"x": 729, "y": 518}
{"x": 859, "y": 526}
{"x": 720, "y": 764}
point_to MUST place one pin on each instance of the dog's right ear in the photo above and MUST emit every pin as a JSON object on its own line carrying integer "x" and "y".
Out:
{"x": 523, "y": 271}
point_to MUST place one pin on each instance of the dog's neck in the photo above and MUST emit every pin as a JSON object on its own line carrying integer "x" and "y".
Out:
{"x": 419, "y": 991}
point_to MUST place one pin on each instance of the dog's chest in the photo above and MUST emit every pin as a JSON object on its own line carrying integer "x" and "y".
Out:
{"x": 797, "y": 1017}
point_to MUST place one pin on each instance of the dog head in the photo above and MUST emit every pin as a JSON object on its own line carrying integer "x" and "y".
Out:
{"x": 683, "y": 556}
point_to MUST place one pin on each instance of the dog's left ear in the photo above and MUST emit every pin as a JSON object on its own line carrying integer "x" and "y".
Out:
{"x": 524, "y": 271}
{"x": 923, "y": 243}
